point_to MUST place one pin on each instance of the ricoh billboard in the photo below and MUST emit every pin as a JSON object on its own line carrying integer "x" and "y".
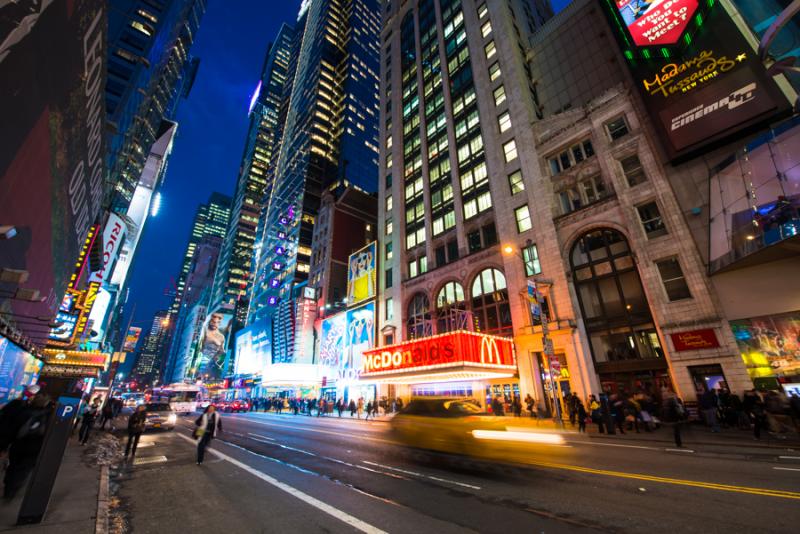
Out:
{"x": 52, "y": 65}
{"x": 701, "y": 80}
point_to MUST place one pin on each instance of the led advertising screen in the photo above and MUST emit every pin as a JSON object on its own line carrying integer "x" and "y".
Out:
{"x": 710, "y": 89}
{"x": 656, "y": 22}
{"x": 360, "y": 336}
{"x": 361, "y": 274}
{"x": 131, "y": 339}
{"x": 214, "y": 344}
{"x": 18, "y": 368}
{"x": 253, "y": 348}
{"x": 52, "y": 76}
{"x": 332, "y": 338}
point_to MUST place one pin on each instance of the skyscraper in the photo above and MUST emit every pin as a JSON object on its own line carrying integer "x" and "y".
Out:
{"x": 149, "y": 69}
{"x": 330, "y": 134}
{"x": 146, "y": 367}
{"x": 233, "y": 279}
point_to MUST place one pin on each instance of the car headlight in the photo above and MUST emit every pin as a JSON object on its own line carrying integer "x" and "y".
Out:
{"x": 172, "y": 418}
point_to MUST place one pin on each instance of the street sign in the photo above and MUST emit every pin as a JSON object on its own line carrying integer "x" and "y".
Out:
{"x": 67, "y": 406}
{"x": 548, "y": 348}
{"x": 555, "y": 365}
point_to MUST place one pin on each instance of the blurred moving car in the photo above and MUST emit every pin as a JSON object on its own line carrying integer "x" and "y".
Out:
{"x": 237, "y": 406}
{"x": 160, "y": 415}
{"x": 461, "y": 427}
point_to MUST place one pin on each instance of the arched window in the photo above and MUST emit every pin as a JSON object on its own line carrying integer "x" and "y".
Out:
{"x": 612, "y": 301}
{"x": 490, "y": 303}
{"x": 418, "y": 321}
{"x": 451, "y": 309}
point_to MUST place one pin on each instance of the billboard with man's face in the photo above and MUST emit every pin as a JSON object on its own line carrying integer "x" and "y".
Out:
{"x": 214, "y": 344}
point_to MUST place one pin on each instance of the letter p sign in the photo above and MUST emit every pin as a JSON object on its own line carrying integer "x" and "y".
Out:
{"x": 67, "y": 406}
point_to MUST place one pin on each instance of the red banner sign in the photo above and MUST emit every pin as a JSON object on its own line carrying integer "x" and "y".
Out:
{"x": 656, "y": 22}
{"x": 453, "y": 349}
{"x": 694, "y": 340}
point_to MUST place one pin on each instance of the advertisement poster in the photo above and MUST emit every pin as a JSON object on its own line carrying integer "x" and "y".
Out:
{"x": 770, "y": 345}
{"x": 214, "y": 344}
{"x": 113, "y": 237}
{"x": 656, "y": 22}
{"x": 131, "y": 339}
{"x": 360, "y": 336}
{"x": 253, "y": 348}
{"x": 13, "y": 362}
{"x": 332, "y": 340}
{"x": 361, "y": 274}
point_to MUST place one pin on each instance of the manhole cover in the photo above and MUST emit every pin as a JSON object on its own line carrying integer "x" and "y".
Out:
{"x": 149, "y": 460}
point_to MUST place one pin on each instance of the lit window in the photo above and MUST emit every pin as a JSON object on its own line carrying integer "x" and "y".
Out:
{"x": 388, "y": 202}
{"x": 530, "y": 255}
{"x": 482, "y": 10}
{"x": 388, "y": 251}
{"x": 149, "y": 16}
{"x": 486, "y": 29}
{"x": 388, "y": 227}
{"x": 523, "y": 217}
{"x": 490, "y": 50}
{"x": 423, "y": 265}
{"x": 143, "y": 28}
{"x": 389, "y": 311}
{"x": 504, "y": 121}
{"x": 499, "y": 95}
{"x": 651, "y": 220}
{"x": 516, "y": 183}
{"x": 510, "y": 151}
{"x": 673, "y": 279}
{"x": 494, "y": 71}
{"x": 412, "y": 268}
{"x": 470, "y": 208}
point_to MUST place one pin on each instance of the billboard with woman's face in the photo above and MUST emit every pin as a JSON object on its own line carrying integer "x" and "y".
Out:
{"x": 361, "y": 274}
{"x": 214, "y": 344}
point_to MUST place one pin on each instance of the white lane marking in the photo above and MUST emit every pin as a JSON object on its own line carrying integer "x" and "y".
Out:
{"x": 414, "y": 473}
{"x": 789, "y": 457}
{"x": 262, "y": 437}
{"x": 679, "y": 450}
{"x": 786, "y": 468}
{"x": 322, "y": 421}
{"x": 348, "y": 464}
{"x": 339, "y": 434}
{"x": 294, "y": 492}
{"x": 616, "y": 445}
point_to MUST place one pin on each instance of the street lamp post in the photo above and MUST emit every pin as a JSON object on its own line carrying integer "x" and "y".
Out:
{"x": 536, "y": 300}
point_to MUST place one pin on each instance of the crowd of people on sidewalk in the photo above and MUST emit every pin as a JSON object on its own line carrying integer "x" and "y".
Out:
{"x": 321, "y": 407}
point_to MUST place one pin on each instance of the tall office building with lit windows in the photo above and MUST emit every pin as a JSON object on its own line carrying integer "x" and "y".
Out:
{"x": 329, "y": 135}
{"x": 233, "y": 280}
{"x": 146, "y": 367}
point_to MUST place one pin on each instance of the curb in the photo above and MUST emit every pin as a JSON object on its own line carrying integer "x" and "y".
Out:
{"x": 101, "y": 520}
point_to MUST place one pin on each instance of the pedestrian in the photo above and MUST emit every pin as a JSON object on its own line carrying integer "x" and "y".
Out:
{"x": 580, "y": 413}
{"x": 352, "y": 407}
{"x": 595, "y": 415}
{"x": 375, "y": 407}
{"x": 89, "y": 415}
{"x": 136, "y": 425}
{"x": 116, "y": 407}
{"x": 369, "y": 410}
{"x": 516, "y": 406}
{"x": 23, "y": 424}
{"x": 497, "y": 406}
{"x": 759, "y": 414}
{"x": 360, "y": 407}
{"x": 709, "y": 404}
{"x": 572, "y": 408}
{"x": 529, "y": 402}
{"x": 208, "y": 424}
{"x": 107, "y": 414}
{"x": 674, "y": 414}
{"x": 340, "y": 406}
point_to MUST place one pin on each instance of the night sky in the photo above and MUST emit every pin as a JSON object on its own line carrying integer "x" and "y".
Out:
{"x": 231, "y": 45}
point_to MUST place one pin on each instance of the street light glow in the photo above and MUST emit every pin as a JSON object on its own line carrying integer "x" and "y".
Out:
{"x": 508, "y": 249}
{"x": 156, "y": 206}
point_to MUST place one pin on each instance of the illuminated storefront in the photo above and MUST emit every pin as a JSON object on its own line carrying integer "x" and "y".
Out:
{"x": 459, "y": 363}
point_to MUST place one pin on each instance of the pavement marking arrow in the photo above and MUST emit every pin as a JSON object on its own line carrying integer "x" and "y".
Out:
{"x": 294, "y": 492}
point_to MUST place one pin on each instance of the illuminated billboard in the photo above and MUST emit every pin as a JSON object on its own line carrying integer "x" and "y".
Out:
{"x": 656, "y": 22}
{"x": 18, "y": 368}
{"x": 332, "y": 338}
{"x": 360, "y": 337}
{"x": 131, "y": 339}
{"x": 214, "y": 344}
{"x": 253, "y": 348}
{"x": 361, "y": 274}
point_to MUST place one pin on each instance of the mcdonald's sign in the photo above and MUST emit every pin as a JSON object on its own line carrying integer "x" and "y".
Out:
{"x": 444, "y": 351}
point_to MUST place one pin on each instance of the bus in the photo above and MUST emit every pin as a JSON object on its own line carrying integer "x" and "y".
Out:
{"x": 183, "y": 398}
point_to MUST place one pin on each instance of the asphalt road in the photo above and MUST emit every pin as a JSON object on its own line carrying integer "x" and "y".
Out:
{"x": 271, "y": 473}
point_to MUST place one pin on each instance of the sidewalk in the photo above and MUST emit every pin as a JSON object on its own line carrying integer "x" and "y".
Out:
{"x": 73, "y": 503}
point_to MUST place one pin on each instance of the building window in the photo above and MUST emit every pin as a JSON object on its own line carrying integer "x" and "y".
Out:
{"x": 494, "y": 71}
{"x": 482, "y": 10}
{"x": 510, "y": 151}
{"x": 651, "y": 220}
{"x": 614, "y": 307}
{"x": 388, "y": 202}
{"x": 504, "y": 122}
{"x": 412, "y": 269}
{"x": 490, "y": 50}
{"x": 143, "y": 28}
{"x": 499, "y": 95}
{"x": 389, "y": 311}
{"x": 486, "y": 29}
{"x": 474, "y": 241}
{"x": 388, "y": 227}
{"x": 388, "y": 251}
{"x": 530, "y": 255}
{"x": 633, "y": 171}
{"x": 451, "y": 312}
{"x": 423, "y": 264}
{"x": 516, "y": 183}
{"x": 523, "y": 217}
{"x": 572, "y": 156}
{"x": 490, "y": 306}
{"x": 673, "y": 279}
{"x": 387, "y": 278}
{"x": 617, "y": 128}
{"x": 419, "y": 317}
